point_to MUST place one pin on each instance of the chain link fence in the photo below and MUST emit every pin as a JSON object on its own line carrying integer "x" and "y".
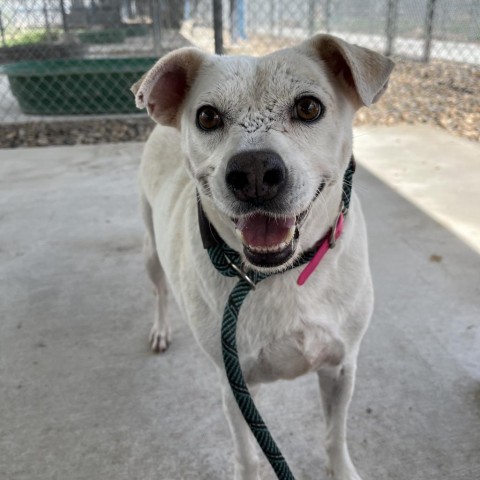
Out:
{"x": 66, "y": 65}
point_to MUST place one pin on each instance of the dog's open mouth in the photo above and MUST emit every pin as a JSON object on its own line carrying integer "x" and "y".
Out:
{"x": 268, "y": 241}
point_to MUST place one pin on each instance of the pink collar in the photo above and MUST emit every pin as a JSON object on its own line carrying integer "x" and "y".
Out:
{"x": 326, "y": 244}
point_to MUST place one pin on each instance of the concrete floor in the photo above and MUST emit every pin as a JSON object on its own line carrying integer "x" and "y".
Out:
{"x": 81, "y": 397}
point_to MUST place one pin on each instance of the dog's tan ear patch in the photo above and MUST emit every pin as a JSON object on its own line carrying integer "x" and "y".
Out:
{"x": 363, "y": 70}
{"x": 164, "y": 87}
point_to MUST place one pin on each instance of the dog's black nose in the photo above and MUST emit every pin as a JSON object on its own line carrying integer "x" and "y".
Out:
{"x": 255, "y": 176}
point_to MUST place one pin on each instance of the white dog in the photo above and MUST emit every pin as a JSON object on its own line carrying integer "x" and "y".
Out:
{"x": 263, "y": 144}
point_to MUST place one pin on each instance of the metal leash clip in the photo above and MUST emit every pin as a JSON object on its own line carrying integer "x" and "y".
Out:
{"x": 240, "y": 272}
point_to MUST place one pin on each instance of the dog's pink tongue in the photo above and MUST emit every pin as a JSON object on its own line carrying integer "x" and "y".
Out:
{"x": 263, "y": 231}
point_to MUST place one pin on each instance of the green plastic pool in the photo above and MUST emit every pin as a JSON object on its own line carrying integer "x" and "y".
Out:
{"x": 76, "y": 86}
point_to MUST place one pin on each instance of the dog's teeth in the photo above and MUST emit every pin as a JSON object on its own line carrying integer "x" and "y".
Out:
{"x": 239, "y": 235}
{"x": 291, "y": 233}
{"x": 272, "y": 249}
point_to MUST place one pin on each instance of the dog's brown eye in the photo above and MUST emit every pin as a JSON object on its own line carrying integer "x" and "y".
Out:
{"x": 308, "y": 109}
{"x": 208, "y": 118}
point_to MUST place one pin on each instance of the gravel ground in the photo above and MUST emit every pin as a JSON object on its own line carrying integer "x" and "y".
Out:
{"x": 441, "y": 93}
{"x": 38, "y": 134}
{"x": 445, "y": 94}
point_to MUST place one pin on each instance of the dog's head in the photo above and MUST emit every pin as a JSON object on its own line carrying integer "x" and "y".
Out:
{"x": 265, "y": 137}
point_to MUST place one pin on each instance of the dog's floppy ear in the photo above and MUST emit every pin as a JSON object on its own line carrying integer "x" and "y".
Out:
{"x": 164, "y": 87}
{"x": 364, "y": 71}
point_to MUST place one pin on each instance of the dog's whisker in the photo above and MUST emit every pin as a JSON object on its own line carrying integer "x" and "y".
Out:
{"x": 324, "y": 203}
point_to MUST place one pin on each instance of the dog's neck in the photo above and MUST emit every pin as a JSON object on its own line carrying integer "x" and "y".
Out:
{"x": 215, "y": 228}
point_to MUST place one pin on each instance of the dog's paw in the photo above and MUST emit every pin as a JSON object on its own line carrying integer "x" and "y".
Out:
{"x": 160, "y": 338}
{"x": 243, "y": 472}
{"x": 349, "y": 474}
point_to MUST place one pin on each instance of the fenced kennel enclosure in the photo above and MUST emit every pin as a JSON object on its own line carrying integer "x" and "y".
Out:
{"x": 67, "y": 65}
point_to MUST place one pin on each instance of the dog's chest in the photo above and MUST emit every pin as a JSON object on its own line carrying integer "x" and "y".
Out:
{"x": 285, "y": 330}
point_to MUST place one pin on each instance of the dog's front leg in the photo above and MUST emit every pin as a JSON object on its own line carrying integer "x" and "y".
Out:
{"x": 246, "y": 457}
{"x": 160, "y": 335}
{"x": 336, "y": 387}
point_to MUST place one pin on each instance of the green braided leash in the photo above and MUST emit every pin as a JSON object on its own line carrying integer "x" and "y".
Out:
{"x": 222, "y": 258}
{"x": 227, "y": 261}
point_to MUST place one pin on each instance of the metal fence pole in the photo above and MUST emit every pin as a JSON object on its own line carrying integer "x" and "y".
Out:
{"x": 311, "y": 16}
{"x": 272, "y": 17}
{"x": 155, "y": 12}
{"x": 64, "y": 16}
{"x": 328, "y": 15}
{"x": 2, "y": 30}
{"x": 429, "y": 18}
{"x": 129, "y": 8}
{"x": 280, "y": 11}
{"x": 391, "y": 29}
{"x": 47, "y": 21}
{"x": 218, "y": 26}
